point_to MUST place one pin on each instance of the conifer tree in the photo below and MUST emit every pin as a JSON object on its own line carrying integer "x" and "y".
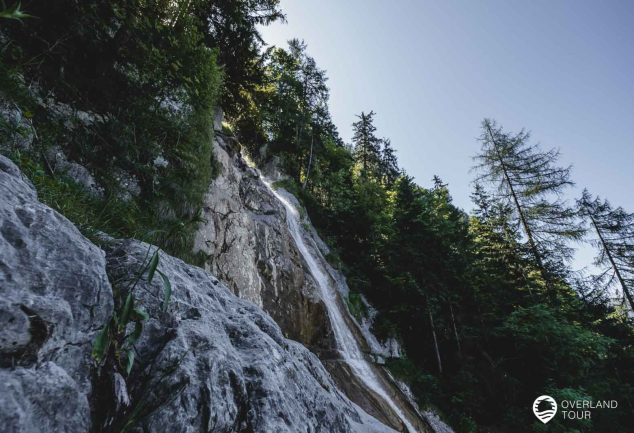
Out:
{"x": 389, "y": 164}
{"x": 296, "y": 114}
{"x": 614, "y": 229}
{"x": 233, "y": 26}
{"x": 529, "y": 179}
{"x": 499, "y": 261}
{"x": 367, "y": 147}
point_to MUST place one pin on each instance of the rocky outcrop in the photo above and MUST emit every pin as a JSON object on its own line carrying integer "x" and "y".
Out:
{"x": 209, "y": 362}
{"x": 54, "y": 297}
{"x": 246, "y": 223}
{"x": 246, "y": 239}
{"x": 236, "y": 369}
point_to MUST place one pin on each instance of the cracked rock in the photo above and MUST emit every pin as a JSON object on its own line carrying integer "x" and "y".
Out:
{"x": 54, "y": 291}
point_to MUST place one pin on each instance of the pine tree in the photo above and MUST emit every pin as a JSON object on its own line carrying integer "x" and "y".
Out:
{"x": 297, "y": 112}
{"x": 614, "y": 229}
{"x": 233, "y": 27}
{"x": 528, "y": 178}
{"x": 499, "y": 263}
{"x": 367, "y": 150}
{"x": 389, "y": 164}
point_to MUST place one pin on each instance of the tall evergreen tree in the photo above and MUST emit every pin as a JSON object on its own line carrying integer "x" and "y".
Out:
{"x": 367, "y": 147}
{"x": 614, "y": 229}
{"x": 389, "y": 163}
{"x": 233, "y": 26}
{"x": 499, "y": 266}
{"x": 295, "y": 116}
{"x": 313, "y": 117}
{"x": 528, "y": 178}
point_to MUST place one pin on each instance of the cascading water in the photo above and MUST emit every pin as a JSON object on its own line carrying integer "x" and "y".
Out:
{"x": 344, "y": 336}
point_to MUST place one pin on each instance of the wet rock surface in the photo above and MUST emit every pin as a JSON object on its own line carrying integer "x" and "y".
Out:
{"x": 249, "y": 247}
{"x": 210, "y": 362}
{"x": 236, "y": 369}
{"x": 247, "y": 225}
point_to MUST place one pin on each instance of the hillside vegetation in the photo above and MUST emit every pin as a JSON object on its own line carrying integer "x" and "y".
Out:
{"x": 487, "y": 307}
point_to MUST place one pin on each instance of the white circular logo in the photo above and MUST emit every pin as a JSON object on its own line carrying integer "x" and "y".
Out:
{"x": 545, "y": 408}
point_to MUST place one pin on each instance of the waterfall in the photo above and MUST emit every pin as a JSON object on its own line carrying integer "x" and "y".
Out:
{"x": 345, "y": 338}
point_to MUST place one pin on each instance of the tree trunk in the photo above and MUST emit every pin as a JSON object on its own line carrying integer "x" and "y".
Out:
{"x": 520, "y": 211}
{"x": 617, "y": 271}
{"x": 455, "y": 330}
{"x": 310, "y": 160}
{"x": 433, "y": 332}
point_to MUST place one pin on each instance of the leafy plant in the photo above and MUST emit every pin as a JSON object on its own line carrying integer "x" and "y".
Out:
{"x": 115, "y": 341}
{"x": 356, "y": 306}
{"x": 14, "y": 12}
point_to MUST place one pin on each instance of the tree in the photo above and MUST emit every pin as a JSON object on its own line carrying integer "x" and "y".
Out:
{"x": 294, "y": 110}
{"x": 498, "y": 268}
{"x": 528, "y": 178}
{"x": 367, "y": 147}
{"x": 389, "y": 164}
{"x": 615, "y": 232}
{"x": 231, "y": 26}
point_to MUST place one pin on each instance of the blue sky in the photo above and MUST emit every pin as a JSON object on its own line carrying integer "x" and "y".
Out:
{"x": 432, "y": 70}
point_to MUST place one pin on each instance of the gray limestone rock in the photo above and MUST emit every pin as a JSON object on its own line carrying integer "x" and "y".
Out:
{"x": 210, "y": 362}
{"x": 246, "y": 225}
{"x": 17, "y": 128}
{"x": 229, "y": 362}
{"x": 54, "y": 296}
{"x": 58, "y": 161}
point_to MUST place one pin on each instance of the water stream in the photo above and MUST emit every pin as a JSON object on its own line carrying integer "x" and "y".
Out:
{"x": 347, "y": 344}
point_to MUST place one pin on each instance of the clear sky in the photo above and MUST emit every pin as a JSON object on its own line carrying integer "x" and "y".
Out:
{"x": 432, "y": 70}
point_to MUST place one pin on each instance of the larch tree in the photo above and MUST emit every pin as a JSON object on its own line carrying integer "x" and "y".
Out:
{"x": 614, "y": 229}
{"x": 529, "y": 179}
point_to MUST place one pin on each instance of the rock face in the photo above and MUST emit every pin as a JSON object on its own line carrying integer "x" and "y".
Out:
{"x": 210, "y": 362}
{"x": 249, "y": 247}
{"x": 238, "y": 371}
{"x": 247, "y": 224}
{"x": 54, "y": 297}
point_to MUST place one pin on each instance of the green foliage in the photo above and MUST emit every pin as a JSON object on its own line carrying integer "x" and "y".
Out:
{"x": 13, "y": 12}
{"x": 232, "y": 26}
{"x": 527, "y": 178}
{"x": 89, "y": 213}
{"x": 114, "y": 344}
{"x": 367, "y": 147}
{"x": 134, "y": 85}
{"x": 464, "y": 294}
{"x": 540, "y": 335}
{"x": 134, "y": 89}
{"x": 614, "y": 231}
{"x": 424, "y": 385}
{"x": 356, "y": 306}
{"x": 115, "y": 354}
{"x": 289, "y": 185}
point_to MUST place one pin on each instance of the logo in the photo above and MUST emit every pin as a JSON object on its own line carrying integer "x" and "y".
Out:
{"x": 545, "y": 408}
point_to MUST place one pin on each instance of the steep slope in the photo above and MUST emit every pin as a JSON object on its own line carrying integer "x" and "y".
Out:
{"x": 210, "y": 362}
{"x": 54, "y": 297}
{"x": 282, "y": 268}
{"x": 250, "y": 249}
